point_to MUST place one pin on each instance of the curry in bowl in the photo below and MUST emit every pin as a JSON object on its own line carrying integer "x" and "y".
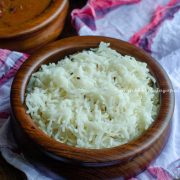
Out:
{"x": 16, "y": 12}
{"x": 26, "y": 25}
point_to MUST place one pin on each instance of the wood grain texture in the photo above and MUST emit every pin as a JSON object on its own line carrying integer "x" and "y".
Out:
{"x": 125, "y": 160}
{"x": 35, "y": 33}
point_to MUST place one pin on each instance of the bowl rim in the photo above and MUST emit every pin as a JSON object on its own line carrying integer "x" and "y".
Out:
{"x": 90, "y": 156}
{"x": 49, "y": 14}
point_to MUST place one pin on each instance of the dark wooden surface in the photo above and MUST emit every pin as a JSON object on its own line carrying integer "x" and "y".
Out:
{"x": 7, "y": 172}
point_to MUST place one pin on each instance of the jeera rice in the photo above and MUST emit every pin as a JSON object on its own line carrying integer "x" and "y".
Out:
{"x": 96, "y": 98}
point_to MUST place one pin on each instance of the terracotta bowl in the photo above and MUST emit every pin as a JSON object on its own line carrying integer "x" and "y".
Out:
{"x": 38, "y": 31}
{"x": 122, "y": 161}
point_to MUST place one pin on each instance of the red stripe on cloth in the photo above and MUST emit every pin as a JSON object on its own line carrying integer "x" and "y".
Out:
{"x": 159, "y": 173}
{"x": 152, "y": 27}
{"x": 101, "y": 4}
{"x": 95, "y": 10}
{"x": 3, "y": 56}
{"x": 135, "y": 39}
{"x": 12, "y": 71}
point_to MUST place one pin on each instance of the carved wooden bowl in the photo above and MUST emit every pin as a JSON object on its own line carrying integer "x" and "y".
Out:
{"x": 122, "y": 161}
{"x": 37, "y": 31}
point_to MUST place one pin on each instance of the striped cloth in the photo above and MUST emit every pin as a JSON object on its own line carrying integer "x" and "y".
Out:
{"x": 9, "y": 63}
{"x": 153, "y": 25}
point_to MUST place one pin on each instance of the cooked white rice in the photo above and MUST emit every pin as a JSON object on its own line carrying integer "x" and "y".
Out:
{"x": 93, "y": 99}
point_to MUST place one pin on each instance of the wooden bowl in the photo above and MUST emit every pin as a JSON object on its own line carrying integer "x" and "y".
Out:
{"x": 122, "y": 161}
{"x": 37, "y": 31}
